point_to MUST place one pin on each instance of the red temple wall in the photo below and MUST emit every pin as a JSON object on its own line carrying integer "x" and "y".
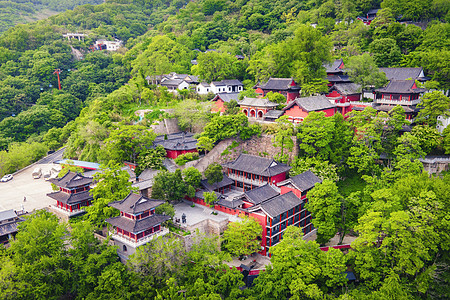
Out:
{"x": 175, "y": 153}
{"x": 218, "y": 106}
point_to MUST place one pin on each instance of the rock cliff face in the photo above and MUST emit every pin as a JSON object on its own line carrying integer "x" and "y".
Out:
{"x": 229, "y": 149}
{"x": 261, "y": 146}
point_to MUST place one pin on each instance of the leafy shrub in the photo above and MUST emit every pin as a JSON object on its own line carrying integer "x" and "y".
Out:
{"x": 182, "y": 159}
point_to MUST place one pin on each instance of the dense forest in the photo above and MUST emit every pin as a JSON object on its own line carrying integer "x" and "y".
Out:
{"x": 373, "y": 184}
{"x": 24, "y": 11}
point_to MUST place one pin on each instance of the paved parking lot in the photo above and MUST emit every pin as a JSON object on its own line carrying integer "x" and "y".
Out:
{"x": 12, "y": 193}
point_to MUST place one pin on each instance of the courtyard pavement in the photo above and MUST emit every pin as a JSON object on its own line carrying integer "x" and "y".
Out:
{"x": 12, "y": 193}
{"x": 199, "y": 213}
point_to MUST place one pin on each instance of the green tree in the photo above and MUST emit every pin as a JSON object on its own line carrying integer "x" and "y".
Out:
{"x": 408, "y": 147}
{"x": 315, "y": 134}
{"x": 166, "y": 209}
{"x": 192, "y": 177}
{"x": 170, "y": 186}
{"x": 386, "y": 52}
{"x": 321, "y": 168}
{"x": 216, "y": 66}
{"x": 127, "y": 142}
{"x": 214, "y": 173}
{"x": 329, "y": 212}
{"x": 363, "y": 70}
{"x": 241, "y": 238}
{"x": 192, "y": 116}
{"x": 227, "y": 126}
{"x": 446, "y": 140}
{"x": 38, "y": 259}
{"x": 428, "y": 137}
{"x": 276, "y": 97}
{"x": 433, "y": 105}
{"x": 113, "y": 185}
{"x": 305, "y": 270}
{"x": 283, "y": 138}
{"x": 210, "y": 197}
{"x": 232, "y": 108}
{"x": 151, "y": 159}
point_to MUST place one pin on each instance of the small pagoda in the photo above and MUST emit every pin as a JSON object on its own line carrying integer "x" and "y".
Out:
{"x": 73, "y": 194}
{"x": 137, "y": 224}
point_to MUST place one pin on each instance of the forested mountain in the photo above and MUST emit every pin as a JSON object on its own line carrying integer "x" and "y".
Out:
{"x": 25, "y": 11}
{"x": 399, "y": 213}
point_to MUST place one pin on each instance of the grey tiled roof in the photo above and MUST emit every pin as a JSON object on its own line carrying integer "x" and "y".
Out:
{"x": 177, "y": 141}
{"x": 134, "y": 204}
{"x": 70, "y": 198}
{"x": 312, "y": 103}
{"x": 234, "y": 203}
{"x": 218, "y": 83}
{"x": 401, "y": 87}
{"x": 7, "y": 214}
{"x": 11, "y": 227}
{"x": 142, "y": 185}
{"x": 260, "y": 194}
{"x": 338, "y": 78}
{"x": 71, "y": 180}
{"x": 130, "y": 172}
{"x": 401, "y": 73}
{"x": 347, "y": 88}
{"x": 279, "y": 84}
{"x": 148, "y": 174}
{"x": 226, "y": 97}
{"x": 258, "y": 165}
{"x": 225, "y": 182}
{"x": 136, "y": 226}
{"x": 273, "y": 114}
{"x": 333, "y": 67}
{"x": 387, "y": 108}
{"x": 172, "y": 82}
{"x": 258, "y": 102}
{"x": 303, "y": 182}
{"x": 280, "y": 204}
{"x": 199, "y": 194}
{"x": 232, "y": 82}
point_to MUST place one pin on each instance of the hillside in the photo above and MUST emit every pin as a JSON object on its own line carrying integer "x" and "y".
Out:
{"x": 21, "y": 12}
{"x": 368, "y": 178}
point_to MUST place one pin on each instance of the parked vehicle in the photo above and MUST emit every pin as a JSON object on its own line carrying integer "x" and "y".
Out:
{"x": 37, "y": 173}
{"x": 56, "y": 169}
{"x": 6, "y": 178}
{"x": 47, "y": 175}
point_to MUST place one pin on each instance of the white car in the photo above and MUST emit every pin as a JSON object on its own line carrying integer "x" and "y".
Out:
{"x": 6, "y": 178}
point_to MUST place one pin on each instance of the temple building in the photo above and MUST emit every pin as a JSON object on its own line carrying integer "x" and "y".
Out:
{"x": 275, "y": 206}
{"x": 177, "y": 143}
{"x": 336, "y": 73}
{"x": 73, "y": 194}
{"x": 9, "y": 220}
{"x": 343, "y": 94}
{"x": 249, "y": 171}
{"x": 399, "y": 92}
{"x": 299, "y": 109}
{"x": 218, "y": 102}
{"x": 285, "y": 86}
{"x": 137, "y": 223}
{"x": 256, "y": 107}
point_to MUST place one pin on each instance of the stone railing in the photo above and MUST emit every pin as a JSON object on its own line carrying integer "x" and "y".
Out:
{"x": 136, "y": 243}
{"x": 397, "y": 102}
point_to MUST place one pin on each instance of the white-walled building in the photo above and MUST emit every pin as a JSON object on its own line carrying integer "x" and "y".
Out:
{"x": 224, "y": 86}
{"x": 108, "y": 45}
{"x": 443, "y": 122}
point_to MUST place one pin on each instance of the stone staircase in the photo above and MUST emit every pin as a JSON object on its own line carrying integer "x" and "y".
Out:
{"x": 213, "y": 155}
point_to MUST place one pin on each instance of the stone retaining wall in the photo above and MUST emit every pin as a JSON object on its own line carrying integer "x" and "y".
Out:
{"x": 261, "y": 146}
